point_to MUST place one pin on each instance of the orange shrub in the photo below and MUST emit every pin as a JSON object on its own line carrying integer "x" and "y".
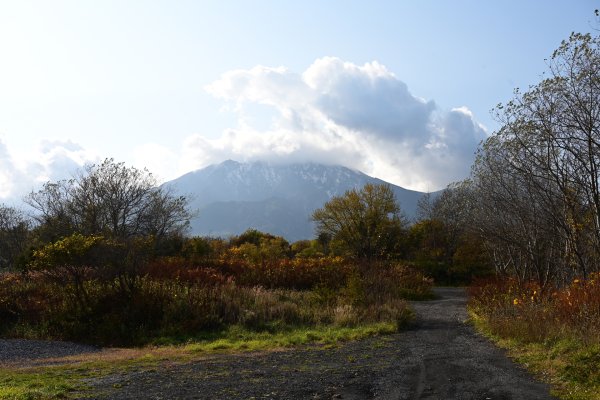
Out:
{"x": 529, "y": 313}
{"x": 25, "y": 298}
{"x": 298, "y": 273}
{"x": 182, "y": 270}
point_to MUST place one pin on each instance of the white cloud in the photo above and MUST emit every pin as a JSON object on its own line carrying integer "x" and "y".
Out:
{"x": 334, "y": 112}
{"x": 363, "y": 117}
{"x": 48, "y": 161}
{"x": 272, "y": 86}
{"x": 7, "y": 172}
{"x": 159, "y": 160}
{"x": 55, "y": 160}
{"x": 368, "y": 99}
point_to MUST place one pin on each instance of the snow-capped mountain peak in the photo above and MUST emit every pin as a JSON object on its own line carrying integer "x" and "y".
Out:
{"x": 231, "y": 196}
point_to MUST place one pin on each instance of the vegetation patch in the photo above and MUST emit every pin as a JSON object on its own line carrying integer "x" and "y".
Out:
{"x": 42, "y": 383}
{"x": 177, "y": 308}
{"x": 239, "y": 339}
{"x": 554, "y": 334}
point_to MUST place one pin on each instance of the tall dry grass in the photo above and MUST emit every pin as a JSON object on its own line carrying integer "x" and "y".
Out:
{"x": 173, "y": 298}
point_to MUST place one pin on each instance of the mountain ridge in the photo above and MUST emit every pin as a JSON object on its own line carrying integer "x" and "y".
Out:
{"x": 231, "y": 197}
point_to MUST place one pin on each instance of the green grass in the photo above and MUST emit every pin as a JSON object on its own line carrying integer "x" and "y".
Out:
{"x": 39, "y": 383}
{"x": 65, "y": 381}
{"x": 238, "y": 339}
{"x": 569, "y": 365}
{"x": 68, "y": 381}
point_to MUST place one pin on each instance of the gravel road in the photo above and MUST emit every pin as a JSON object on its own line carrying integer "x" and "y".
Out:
{"x": 439, "y": 358}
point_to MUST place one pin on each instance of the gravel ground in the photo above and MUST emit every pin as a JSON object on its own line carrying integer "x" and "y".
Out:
{"x": 19, "y": 352}
{"x": 439, "y": 358}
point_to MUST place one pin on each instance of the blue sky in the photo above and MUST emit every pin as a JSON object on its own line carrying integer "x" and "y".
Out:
{"x": 399, "y": 89}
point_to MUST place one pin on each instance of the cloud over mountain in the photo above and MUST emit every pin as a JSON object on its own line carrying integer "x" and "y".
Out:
{"x": 338, "y": 112}
{"x": 49, "y": 161}
{"x": 334, "y": 112}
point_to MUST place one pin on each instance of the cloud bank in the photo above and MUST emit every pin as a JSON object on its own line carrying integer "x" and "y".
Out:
{"x": 49, "y": 161}
{"x": 337, "y": 112}
{"x": 334, "y": 112}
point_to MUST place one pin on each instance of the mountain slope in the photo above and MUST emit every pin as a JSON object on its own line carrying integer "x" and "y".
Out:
{"x": 231, "y": 197}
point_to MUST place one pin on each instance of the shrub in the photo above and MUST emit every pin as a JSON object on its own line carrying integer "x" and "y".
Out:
{"x": 78, "y": 289}
{"x": 284, "y": 273}
{"x": 529, "y": 312}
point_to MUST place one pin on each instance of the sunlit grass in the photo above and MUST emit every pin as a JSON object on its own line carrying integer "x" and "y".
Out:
{"x": 241, "y": 340}
{"x": 39, "y": 383}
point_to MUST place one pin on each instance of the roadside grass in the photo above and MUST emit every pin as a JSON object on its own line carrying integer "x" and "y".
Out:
{"x": 30, "y": 385}
{"x": 68, "y": 378}
{"x": 571, "y": 367}
{"x": 238, "y": 339}
{"x": 553, "y": 334}
{"x": 71, "y": 377}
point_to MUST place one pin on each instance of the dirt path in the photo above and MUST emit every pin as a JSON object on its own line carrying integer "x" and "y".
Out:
{"x": 440, "y": 358}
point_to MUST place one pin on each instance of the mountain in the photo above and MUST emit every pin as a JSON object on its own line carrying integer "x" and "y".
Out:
{"x": 231, "y": 197}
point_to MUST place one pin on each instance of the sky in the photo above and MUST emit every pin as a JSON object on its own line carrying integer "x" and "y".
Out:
{"x": 401, "y": 90}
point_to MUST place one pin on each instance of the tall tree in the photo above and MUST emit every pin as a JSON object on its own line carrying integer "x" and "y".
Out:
{"x": 368, "y": 223}
{"x": 538, "y": 177}
{"x": 443, "y": 242}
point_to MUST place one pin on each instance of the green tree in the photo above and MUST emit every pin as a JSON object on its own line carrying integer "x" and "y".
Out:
{"x": 367, "y": 223}
{"x": 69, "y": 261}
{"x": 308, "y": 248}
{"x": 257, "y": 246}
{"x": 252, "y": 236}
{"x": 14, "y": 235}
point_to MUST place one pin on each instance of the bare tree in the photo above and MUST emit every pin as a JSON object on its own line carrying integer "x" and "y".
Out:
{"x": 513, "y": 217}
{"x": 109, "y": 199}
{"x": 538, "y": 177}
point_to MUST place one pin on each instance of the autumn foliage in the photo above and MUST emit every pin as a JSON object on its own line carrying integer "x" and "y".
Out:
{"x": 530, "y": 312}
{"x": 97, "y": 290}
